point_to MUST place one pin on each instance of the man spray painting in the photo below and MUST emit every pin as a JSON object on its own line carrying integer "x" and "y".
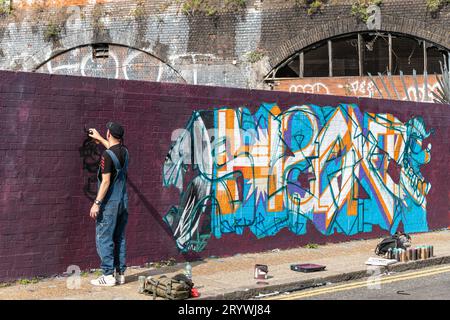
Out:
{"x": 110, "y": 208}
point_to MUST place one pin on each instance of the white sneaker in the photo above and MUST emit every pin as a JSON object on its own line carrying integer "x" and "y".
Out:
{"x": 120, "y": 278}
{"x": 104, "y": 281}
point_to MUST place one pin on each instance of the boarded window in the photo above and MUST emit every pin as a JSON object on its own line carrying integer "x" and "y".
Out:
{"x": 407, "y": 54}
{"x": 345, "y": 56}
{"x": 316, "y": 62}
{"x": 375, "y": 53}
{"x": 434, "y": 56}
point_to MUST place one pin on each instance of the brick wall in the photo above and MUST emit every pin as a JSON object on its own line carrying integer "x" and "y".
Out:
{"x": 44, "y": 222}
{"x": 202, "y": 49}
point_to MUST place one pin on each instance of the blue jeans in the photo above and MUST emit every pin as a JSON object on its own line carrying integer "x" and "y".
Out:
{"x": 110, "y": 236}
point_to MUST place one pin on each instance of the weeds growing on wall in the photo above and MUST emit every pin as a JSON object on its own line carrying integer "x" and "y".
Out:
{"x": 434, "y": 6}
{"x": 52, "y": 32}
{"x": 311, "y": 6}
{"x": 236, "y": 4}
{"x": 139, "y": 12}
{"x": 209, "y": 7}
{"x": 255, "y": 56}
{"x": 161, "y": 264}
{"x": 28, "y": 281}
{"x": 5, "y": 7}
{"x": 359, "y": 8}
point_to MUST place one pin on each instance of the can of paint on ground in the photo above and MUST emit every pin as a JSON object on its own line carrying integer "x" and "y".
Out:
{"x": 404, "y": 256}
{"x": 261, "y": 271}
{"x": 410, "y": 255}
{"x": 141, "y": 281}
{"x": 389, "y": 254}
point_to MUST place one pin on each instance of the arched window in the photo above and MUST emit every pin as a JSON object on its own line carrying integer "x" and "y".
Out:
{"x": 362, "y": 53}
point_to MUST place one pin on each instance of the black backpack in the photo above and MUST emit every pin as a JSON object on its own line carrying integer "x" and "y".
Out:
{"x": 396, "y": 241}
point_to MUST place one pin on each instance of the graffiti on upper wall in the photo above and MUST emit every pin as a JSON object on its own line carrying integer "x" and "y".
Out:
{"x": 121, "y": 63}
{"x": 342, "y": 170}
{"x": 364, "y": 87}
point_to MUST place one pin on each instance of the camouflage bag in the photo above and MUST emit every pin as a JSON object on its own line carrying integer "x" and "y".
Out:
{"x": 168, "y": 288}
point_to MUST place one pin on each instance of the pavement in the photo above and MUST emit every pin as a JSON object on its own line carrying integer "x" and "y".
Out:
{"x": 232, "y": 277}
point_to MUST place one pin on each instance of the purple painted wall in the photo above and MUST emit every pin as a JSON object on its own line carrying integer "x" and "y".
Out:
{"x": 44, "y": 210}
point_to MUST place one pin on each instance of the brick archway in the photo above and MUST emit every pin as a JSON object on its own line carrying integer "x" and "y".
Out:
{"x": 119, "y": 63}
{"x": 396, "y": 24}
{"x": 47, "y": 52}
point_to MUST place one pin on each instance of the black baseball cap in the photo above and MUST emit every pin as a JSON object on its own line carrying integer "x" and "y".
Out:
{"x": 115, "y": 129}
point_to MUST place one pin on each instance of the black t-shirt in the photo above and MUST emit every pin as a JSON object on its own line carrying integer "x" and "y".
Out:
{"x": 107, "y": 164}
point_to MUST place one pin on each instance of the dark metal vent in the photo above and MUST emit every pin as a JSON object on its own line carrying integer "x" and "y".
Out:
{"x": 100, "y": 51}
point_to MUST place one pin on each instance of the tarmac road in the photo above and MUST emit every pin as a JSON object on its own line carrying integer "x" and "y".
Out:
{"x": 425, "y": 284}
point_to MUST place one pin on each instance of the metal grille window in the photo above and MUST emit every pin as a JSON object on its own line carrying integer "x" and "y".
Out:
{"x": 363, "y": 53}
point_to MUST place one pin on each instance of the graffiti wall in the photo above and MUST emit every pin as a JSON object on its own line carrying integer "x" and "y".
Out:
{"x": 342, "y": 169}
{"x": 409, "y": 89}
{"x": 214, "y": 171}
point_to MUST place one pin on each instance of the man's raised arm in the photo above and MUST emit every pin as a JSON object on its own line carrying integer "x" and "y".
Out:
{"x": 95, "y": 135}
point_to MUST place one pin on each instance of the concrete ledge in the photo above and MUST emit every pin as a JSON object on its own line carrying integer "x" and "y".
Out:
{"x": 249, "y": 293}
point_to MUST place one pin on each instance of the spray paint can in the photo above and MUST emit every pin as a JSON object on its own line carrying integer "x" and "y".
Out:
{"x": 141, "y": 281}
{"x": 432, "y": 251}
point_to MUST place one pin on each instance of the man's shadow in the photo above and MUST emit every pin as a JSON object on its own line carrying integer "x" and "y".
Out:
{"x": 192, "y": 257}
